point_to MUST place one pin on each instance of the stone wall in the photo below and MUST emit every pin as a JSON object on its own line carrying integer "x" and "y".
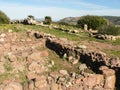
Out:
{"x": 107, "y": 69}
{"x": 93, "y": 59}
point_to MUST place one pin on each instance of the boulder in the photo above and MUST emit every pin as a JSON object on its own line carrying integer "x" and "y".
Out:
{"x": 31, "y": 75}
{"x": 31, "y": 85}
{"x": 3, "y": 35}
{"x": 13, "y": 86}
{"x": 93, "y": 80}
{"x": 82, "y": 67}
{"x": 12, "y": 57}
{"x": 34, "y": 56}
{"x": 114, "y": 62}
{"x": 63, "y": 72}
{"x": 110, "y": 79}
{"x": 41, "y": 83}
{"x": 81, "y": 47}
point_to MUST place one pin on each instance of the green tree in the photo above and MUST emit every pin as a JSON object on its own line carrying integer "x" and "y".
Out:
{"x": 93, "y": 22}
{"x": 4, "y": 19}
{"x": 47, "y": 20}
{"x": 30, "y": 16}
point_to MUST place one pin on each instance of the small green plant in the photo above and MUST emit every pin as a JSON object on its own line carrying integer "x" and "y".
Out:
{"x": 22, "y": 76}
{"x": 4, "y": 76}
{"x": 8, "y": 67}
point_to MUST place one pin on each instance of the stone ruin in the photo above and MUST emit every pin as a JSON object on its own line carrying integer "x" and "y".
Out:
{"x": 107, "y": 37}
{"x": 85, "y": 27}
{"x": 27, "y": 21}
{"x": 107, "y": 69}
{"x": 23, "y": 56}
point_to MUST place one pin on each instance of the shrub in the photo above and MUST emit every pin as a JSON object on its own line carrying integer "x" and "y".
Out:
{"x": 48, "y": 20}
{"x": 30, "y": 16}
{"x": 4, "y": 18}
{"x": 93, "y": 22}
{"x": 109, "y": 30}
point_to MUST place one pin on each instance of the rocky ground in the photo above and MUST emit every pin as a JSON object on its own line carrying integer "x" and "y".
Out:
{"x": 21, "y": 62}
{"x": 25, "y": 65}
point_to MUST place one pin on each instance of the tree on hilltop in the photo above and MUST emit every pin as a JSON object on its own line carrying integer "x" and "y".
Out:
{"x": 48, "y": 20}
{"x": 31, "y": 16}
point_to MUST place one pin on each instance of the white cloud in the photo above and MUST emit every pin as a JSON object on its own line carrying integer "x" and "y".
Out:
{"x": 89, "y": 5}
{"x": 17, "y": 11}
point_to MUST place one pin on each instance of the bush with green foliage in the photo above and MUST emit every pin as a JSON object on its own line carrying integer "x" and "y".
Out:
{"x": 93, "y": 22}
{"x": 109, "y": 30}
{"x": 4, "y": 19}
{"x": 48, "y": 20}
{"x": 30, "y": 16}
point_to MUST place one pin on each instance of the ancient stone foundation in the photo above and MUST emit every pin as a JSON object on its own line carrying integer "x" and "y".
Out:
{"x": 24, "y": 59}
{"x": 95, "y": 60}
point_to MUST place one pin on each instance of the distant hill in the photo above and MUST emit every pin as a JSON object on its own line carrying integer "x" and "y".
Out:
{"x": 70, "y": 20}
{"x": 73, "y": 20}
{"x": 113, "y": 19}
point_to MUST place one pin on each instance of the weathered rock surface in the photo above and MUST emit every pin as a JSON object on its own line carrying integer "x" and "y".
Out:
{"x": 13, "y": 86}
{"x": 106, "y": 37}
{"x": 110, "y": 78}
{"x": 21, "y": 61}
{"x": 82, "y": 54}
{"x": 26, "y": 64}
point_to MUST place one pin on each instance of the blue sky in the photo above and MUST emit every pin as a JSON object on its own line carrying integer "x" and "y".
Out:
{"x": 59, "y": 9}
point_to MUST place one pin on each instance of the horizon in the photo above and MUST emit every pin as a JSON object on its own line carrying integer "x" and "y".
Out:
{"x": 59, "y": 9}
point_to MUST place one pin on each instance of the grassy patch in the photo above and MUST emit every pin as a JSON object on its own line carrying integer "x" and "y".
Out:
{"x": 58, "y": 33}
{"x": 112, "y": 53}
{"x": 22, "y": 76}
{"x": 115, "y": 53}
{"x": 116, "y": 42}
{"x": 60, "y": 63}
{"x": 13, "y": 27}
{"x": 8, "y": 67}
{"x": 5, "y": 76}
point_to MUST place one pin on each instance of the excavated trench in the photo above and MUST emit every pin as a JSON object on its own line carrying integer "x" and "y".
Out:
{"x": 92, "y": 59}
{"x": 25, "y": 54}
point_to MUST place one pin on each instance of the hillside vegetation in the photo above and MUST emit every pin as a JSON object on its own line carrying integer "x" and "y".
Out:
{"x": 4, "y": 19}
{"x": 93, "y": 22}
{"x": 73, "y": 20}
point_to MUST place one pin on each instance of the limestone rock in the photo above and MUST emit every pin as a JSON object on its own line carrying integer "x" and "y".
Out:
{"x": 63, "y": 72}
{"x": 93, "y": 80}
{"x": 13, "y": 86}
{"x": 41, "y": 83}
{"x": 82, "y": 67}
{"x": 115, "y": 62}
{"x": 110, "y": 79}
{"x": 12, "y": 57}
